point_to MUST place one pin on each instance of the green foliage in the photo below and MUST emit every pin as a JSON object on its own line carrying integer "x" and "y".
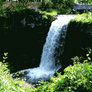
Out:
{"x": 2, "y": 13}
{"x": 63, "y": 6}
{"x": 48, "y": 3}
{"x": 21, "y": 5}
{"x": 84, "y": 18}
{"x": 1, "y": 3}
{"x": 77, "y": 78}
{"x": 7, "y": 83}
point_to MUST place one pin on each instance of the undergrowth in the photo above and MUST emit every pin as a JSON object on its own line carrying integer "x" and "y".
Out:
{"x": 76, "y": 78}
{"x": 7, "y": 83}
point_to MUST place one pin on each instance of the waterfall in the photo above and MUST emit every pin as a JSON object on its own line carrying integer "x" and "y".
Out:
{"x": 52, "y": 50}
{"x": 54, "y": 45}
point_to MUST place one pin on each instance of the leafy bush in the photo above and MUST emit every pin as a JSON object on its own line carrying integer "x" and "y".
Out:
{"x": 63, "y": 6}
{"x": 77, "y": 78}
{"x": 21, "y": 5}
{"x": 84, "y": 18}
{"x": 7, "y": 83}
{"x": 84, "y": 21}
{"x": 48, "y": 3}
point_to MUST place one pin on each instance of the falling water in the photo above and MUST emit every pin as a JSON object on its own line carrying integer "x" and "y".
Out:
{"x": 52, "y": 50}
{"x": 54, "y": 45}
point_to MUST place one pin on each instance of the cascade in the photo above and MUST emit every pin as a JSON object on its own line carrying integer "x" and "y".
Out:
{"x": 52, "y": 50}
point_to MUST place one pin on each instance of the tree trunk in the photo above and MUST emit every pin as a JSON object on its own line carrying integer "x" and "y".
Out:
{"x": 43, "y": 3}
{"x": 34, "y": 6}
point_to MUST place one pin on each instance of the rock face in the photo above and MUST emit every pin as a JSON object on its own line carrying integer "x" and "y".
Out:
{"x": 77, "y": 42}
{"x": 22, "y": 35}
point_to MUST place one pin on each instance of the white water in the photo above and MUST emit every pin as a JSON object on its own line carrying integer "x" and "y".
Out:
{"x": 54, "y": 45}
{"x": 52, "y": 50}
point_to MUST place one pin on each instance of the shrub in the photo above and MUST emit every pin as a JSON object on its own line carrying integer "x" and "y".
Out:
{"x": 84, "y": 18}
{"x": 77, "y": 78}
{"x": 63, "y": 6}
{"x": 7, "y": 83}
